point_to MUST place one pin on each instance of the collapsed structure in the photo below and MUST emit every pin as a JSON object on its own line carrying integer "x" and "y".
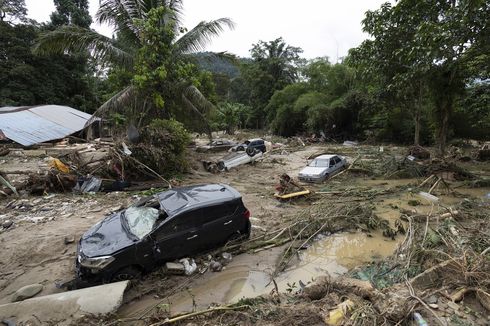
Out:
{"x": 29, "y": 125}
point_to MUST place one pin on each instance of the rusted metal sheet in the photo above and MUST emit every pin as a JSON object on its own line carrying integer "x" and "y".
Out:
{"x": 31, "y": 125}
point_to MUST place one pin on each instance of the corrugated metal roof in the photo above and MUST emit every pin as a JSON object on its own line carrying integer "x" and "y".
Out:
{"x": 31, "y": 125}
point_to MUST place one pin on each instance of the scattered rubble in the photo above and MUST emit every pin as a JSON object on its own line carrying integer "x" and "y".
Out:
{"x": 342, "y": 204}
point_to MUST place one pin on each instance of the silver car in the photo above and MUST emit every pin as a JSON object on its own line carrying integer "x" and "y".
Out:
{"x": 322, "y": 167}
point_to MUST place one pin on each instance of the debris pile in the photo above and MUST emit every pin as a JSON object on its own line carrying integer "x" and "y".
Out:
{"x": 438, "y": 276}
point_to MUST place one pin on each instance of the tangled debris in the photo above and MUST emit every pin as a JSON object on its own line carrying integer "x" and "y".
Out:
{"x": 440, "y": 274}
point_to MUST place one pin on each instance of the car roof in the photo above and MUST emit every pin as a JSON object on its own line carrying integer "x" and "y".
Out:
{"x": 325, "y": 156}
{"x": 255, "y": 139}
{"x": 178, "y": 200}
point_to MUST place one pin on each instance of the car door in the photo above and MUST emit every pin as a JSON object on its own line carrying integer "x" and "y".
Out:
{"x": 178, "y": 237}
{"x": 219, "y": 223}
{"x": 337, "y": 163}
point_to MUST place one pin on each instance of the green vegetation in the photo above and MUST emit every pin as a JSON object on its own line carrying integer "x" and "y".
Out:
{"x": 422, "y": 77}
{"x": 162, "y": 147}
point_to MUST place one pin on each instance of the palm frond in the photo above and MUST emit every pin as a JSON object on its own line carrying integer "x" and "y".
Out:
{"x": 177, "y": 6}
{"x": 74, "y": 39}
{"x": 122, "y": 15}
{"x": 198, "y": 104}
{"x": 197, "y": 38}
{"x": 117, "y": 103}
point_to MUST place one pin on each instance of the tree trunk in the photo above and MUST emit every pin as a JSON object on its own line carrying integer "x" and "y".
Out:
{"x": 444, "y": 127}
{"x": 416, "y": 140}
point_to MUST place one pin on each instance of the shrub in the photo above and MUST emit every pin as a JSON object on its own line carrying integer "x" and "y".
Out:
{"x": 162, "y": 147}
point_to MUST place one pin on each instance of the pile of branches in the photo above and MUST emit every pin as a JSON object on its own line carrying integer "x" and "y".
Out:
{"x": 447, "y": 254}
{"x": 448, "y": 258}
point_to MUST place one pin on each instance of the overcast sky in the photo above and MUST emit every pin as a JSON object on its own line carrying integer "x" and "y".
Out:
{"x": 320, "y": 27}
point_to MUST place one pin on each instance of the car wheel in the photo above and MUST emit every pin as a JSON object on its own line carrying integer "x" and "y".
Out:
{"x": 221, "y": 166}
{"x": 235, "y": 237}
{"x": 126, "y": 274}
{"x": 240, "y": 148}
{"x": 326, "y": 176}
{"x": 250, "y": 151}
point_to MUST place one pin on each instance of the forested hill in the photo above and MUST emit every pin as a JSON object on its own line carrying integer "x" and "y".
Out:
{"x": 214, "y": 63}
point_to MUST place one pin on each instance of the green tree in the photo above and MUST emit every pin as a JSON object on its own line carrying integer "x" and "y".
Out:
{"x": 27, "y": 79}
{"x": 71, "y": 12}
{"x": 428, "y": 45}
{"x": 137, "y": 24}
{"x": 472, "y": 112}
{"x": 285, "y": 119}
{"x": 230, "y": 116}
{"x": 274, "y": 65}
{"x": 13, "y": 10}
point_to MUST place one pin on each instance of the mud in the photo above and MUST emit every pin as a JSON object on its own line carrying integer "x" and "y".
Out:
{"x": 33, "y": 249}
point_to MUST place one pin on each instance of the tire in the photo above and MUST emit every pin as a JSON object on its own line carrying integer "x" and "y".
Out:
{"x": 128, "y": 273}
{"x": 251, "y": 151}
{"x": 326, "y": 177}
{"x": 221, "y": 166}
{"x": 240, "y": 148}
{"x": 236, "y": 237}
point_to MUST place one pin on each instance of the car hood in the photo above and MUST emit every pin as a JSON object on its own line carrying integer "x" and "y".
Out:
{"x": 106, "y": 237}
{"x": 312, "y": 171}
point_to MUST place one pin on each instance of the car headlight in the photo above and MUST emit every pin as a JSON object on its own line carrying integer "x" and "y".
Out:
{"x": 96, "y": 262}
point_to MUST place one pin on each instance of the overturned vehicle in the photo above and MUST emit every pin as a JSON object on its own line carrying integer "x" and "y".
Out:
{"x": 160, "y": 228}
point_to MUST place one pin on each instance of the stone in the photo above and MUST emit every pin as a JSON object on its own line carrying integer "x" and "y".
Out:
{"x": 226, "y": 258}
{"x": 67, "y": 306}
{"x": 433, "y": 305}
{"x": 215, "y": 266}
{"x": 69, "y": 239}
{"x": 7, "y": 224}
{"x": 27, "y": 292}
{"x": 431, "y": 299}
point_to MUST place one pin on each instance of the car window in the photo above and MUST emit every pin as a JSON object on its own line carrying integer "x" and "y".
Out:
{"x": 219, "y": 143}
{"x": 141, "y": 220}
{"x": 211, "y": 213}
{"x": 336, "y": 159}
{"x": 332, "y": 162}
{"x": 320, "y": 163}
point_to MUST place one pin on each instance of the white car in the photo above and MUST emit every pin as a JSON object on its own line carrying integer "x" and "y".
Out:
{"x": 322, "y": 167}
{"x": 238, "y": 158}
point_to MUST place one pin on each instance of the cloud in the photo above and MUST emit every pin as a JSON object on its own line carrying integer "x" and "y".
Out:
{"x": 320, "y": 27}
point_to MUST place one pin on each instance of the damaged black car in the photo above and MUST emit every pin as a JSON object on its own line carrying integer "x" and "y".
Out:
{"x": 160, "y": 228}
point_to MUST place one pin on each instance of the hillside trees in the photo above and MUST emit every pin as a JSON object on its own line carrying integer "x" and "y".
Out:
{"x": 426, "y": 45}
{"x": 27, "y": 79}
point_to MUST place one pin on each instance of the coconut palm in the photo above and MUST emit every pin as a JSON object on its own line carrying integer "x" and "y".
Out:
{"x": 126, "y": 17}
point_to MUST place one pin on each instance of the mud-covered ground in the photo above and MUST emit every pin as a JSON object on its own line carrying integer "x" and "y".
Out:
{"x": 40, "y": 245}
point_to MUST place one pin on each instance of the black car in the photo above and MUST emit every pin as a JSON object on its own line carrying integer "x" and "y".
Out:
{"x": 169, "y": 225}
{"x": 251, "y": 145}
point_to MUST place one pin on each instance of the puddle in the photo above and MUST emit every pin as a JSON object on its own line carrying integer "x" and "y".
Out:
{"x": 249, "y": 275}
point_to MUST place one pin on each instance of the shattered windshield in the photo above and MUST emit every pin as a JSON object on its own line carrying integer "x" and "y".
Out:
{"x": 140, "y": 220}
{"x": 319, "y": 163}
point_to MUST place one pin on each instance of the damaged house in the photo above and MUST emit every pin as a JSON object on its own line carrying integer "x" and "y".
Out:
{"x": 29, "y": 125}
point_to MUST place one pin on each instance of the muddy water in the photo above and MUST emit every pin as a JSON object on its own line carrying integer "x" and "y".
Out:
{"x": 250, "y": 275}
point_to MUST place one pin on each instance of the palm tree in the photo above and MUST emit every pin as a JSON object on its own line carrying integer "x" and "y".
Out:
{"x": 126, "y": 17}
